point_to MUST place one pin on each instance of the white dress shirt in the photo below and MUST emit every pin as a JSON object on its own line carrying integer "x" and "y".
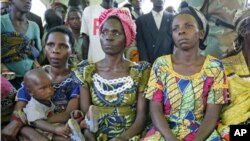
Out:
{"x": 158, "y": 17}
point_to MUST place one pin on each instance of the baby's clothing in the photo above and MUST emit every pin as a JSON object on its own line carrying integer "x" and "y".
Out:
{"x": 35, "y": 110}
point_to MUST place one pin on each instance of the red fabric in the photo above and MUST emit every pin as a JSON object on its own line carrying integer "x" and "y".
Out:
{"x": 6, "y": 87}
{"x": 126, "y": 20}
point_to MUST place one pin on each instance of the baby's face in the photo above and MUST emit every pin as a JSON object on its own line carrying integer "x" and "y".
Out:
{"x": 42, "y": 89}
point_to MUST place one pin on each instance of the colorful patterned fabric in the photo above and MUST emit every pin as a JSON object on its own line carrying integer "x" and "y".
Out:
{"x": 15, "y": 47}
{"x": 8, "y": 93}
{"x": 117, "y": 110}
{"x": 238, "y": 111}
{"x": 185, "y": 98}
{"x": 132, "y": 53}
{"x": 64, "y": 91}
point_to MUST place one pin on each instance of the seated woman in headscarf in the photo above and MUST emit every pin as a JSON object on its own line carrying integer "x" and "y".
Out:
{"x": 114, "y": 86}
{"x": 237, "y": 66}
{"x": 186, "y": 90}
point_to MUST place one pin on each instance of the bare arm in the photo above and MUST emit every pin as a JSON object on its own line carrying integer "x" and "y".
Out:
{"x": 209, "y": 122}
{"x": 46, "y": 126}
{"x": 85, "y": 99}
{"x": 63, "y": 117}
{"x": 159, "y": 121}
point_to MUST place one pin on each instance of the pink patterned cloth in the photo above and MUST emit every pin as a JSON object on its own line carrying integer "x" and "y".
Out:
{"x": 124, "y": 16}
{"x": 6, "y": 87}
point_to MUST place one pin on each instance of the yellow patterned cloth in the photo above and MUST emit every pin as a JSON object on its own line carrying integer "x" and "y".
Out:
{"x": 238, "y": 111}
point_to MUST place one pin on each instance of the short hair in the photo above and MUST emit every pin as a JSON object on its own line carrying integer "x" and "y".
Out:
{"x": 62, "y": 29}
{"x": 34, "y": 74}
{"x": 52, "y": 18}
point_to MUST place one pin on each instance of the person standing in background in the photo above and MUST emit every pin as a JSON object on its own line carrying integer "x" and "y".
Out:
{"x": 20, "y": 41}
{"x": 136, "y": 8}
{"x": 90, "y": 29}
{"x": 73, "y": 21}
{"x": 153, "y": 33}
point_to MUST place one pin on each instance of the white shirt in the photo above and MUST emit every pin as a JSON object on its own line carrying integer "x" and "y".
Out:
{"x": 158, "y": 17}
{"x": 90, "y": 26}
{"x": 34, "y": 110}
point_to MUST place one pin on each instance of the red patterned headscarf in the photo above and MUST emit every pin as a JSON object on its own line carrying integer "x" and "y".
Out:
{"x": 124, "y": 16}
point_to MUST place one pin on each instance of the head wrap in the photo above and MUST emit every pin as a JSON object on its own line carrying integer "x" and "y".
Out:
{"x": 200, "y": 18}
{"x": 240, "y": 17}
{"x": 124, "y": 16}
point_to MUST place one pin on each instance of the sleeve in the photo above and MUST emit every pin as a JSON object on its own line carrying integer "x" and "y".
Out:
{"x": 144, "y": 76}
{"x": 83, "y": 73}
{"x": 155, "y": 87}
{"x": 22, "y": 94}
{"x": 218, "y": 94}
{"x": 85, "y": 16}
{"x": 75, "y": 92}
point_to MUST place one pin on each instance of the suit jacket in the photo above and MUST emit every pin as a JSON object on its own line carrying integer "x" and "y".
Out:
{"x": 151, "y": 41}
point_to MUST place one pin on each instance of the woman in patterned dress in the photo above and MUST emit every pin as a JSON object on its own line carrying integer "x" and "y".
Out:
{"x": 186, "y": 90}
{"x": 115, "y": 85}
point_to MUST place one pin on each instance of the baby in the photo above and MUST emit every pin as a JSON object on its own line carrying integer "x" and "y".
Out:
{"x": 40, "y": 107}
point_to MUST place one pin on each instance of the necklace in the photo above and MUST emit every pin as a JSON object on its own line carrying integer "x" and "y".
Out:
{"x": 127, "y": 82}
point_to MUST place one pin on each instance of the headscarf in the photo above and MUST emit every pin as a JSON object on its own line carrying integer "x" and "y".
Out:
{"x": 124, "y": 16}
{"x": 199, "y": 17}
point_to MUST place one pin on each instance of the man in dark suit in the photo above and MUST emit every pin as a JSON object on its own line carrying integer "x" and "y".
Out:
{"x": 154, "y": 33}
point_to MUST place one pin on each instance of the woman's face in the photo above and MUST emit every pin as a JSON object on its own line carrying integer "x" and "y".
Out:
{"x": 185, "y": 32}
{"x": 58, "y": 49}
{"x": 112, "y": 37}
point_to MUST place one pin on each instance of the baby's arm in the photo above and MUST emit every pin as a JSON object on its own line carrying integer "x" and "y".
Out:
{"x": 48, "y": 127}
{"x": 63, "y": 117}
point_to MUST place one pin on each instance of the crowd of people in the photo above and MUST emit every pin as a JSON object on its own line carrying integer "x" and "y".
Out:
{"x": 100, "y": 73}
